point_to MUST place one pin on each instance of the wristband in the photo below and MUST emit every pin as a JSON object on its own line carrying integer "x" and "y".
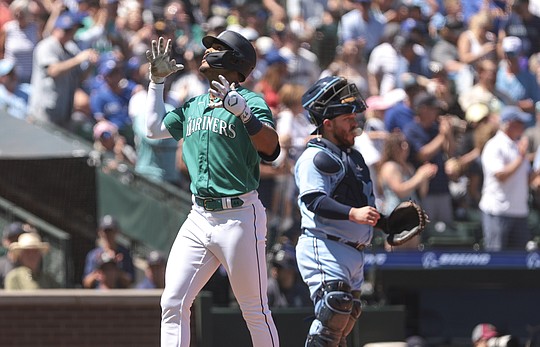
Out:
{"x": 253, "y": 125}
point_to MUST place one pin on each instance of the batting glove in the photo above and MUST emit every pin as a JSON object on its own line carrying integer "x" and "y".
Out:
{"x": 225, "y": 95}
{"x": 161, "y": 65}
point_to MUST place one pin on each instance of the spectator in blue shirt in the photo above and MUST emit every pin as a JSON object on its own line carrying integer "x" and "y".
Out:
{"x": 111, "y": 100}
{"x": 108, "y": 230}
{"x": 154, "y": 274}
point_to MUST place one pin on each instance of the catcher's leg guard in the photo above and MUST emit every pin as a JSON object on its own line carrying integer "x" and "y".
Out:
{"x": 332, "y": 313}
{"x": 355, "y": 313}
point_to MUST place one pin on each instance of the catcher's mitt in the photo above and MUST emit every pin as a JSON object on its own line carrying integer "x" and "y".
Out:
{"x": 407, "y": 220}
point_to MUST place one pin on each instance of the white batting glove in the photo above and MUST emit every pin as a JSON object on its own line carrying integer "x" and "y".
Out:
{"x": 161, "y": 65}
{"x": 225, "y": 95}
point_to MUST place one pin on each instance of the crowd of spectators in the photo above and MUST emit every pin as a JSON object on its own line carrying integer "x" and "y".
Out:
{"x": 439, "y": 77}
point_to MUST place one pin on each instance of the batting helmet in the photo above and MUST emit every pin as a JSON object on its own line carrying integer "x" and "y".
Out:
{"x": 240, "y": 56}
{"x": 330, "y": 97}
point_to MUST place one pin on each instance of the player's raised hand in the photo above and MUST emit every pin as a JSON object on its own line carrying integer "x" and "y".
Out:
{"x": 161, "y": 64}
{"x": 227, "y": 97}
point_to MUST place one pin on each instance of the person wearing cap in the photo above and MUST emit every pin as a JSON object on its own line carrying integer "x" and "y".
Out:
{"x": 285, "y": 288}
{"x": 486, "y": 334}
{"x": 402, "y": 112}
{"x": 10, "y": 234}
{"x": 505, "y": 193}
{"x": 524, "y": 24}
{"x": 59, "y": 67}
{"x": 154, "y": 273}
{"x": 517, "y": 81}
{"x": 108, "y": 272}
{"x": 431, "y": 139}
{"x": 110, "y": 101}
{"x": 482, "y": 333}
{"x": 107, "y": 233}
{"x": 226, "y": 133}
{"x": 13, "y": 95}
{"x": 112, "y": 145}
{"x": 28, "y": 273}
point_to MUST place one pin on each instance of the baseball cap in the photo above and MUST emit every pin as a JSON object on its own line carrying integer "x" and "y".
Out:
{"x": 68, "y": 20}
{"x": 155, "y": 258}
{"x": 6, "y": 66}
{"x": 215, "y": 22}
{"x": 104, "y": 258}
{"x": 13, "y": 231}
{"x": 108, "y": 66}
{"x": 273, "y": 57}
{"x": 425, "y": 99}
{"x": 108, "y": 222}
{"x": 476, "y": 112}
{"x": 283, "y": 256}
{"x": 104, "y": 129}
{"x": 483, "y": 331}
{"x": 511, "y": 44}
{"x": 514, "y": 113}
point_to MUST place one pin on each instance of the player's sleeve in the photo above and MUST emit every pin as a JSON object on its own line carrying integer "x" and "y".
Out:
{"x": 174, "y": 122}
{"x": 259, "y": 108}
{"x": 324, "y": 206}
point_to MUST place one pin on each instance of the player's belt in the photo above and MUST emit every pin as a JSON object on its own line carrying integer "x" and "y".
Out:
{"x": 355, "y": 245}
{"x": 218, "y": 204}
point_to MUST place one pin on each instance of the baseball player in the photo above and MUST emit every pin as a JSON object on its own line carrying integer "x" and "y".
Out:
{"x": 338, "y": 215}
{"x": 226, "y": 132}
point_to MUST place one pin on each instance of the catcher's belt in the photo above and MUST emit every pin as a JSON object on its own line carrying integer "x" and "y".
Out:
{"x": 356, "y": 245}
{"x": 218, "y": 204}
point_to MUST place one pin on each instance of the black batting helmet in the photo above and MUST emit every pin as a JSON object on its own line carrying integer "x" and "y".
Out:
{"x": 240, "y": 56}
{"x": 330, "y": 97}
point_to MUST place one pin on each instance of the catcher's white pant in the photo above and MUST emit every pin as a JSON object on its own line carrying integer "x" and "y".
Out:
{"x": 235, "y": 238}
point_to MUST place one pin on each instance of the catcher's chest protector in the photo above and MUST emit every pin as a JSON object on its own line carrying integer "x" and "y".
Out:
{"x": 353, "y": 186}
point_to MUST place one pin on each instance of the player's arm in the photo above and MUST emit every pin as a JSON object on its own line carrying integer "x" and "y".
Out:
{"x": 155, "y": 110}
{"x": 324, "y": 206}
{"x": 161, "y": 66}
{"x": 266, "y": 142}
{"x": 264, "y": 137}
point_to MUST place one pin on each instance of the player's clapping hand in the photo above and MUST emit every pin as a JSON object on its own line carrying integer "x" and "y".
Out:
{"x": 224, "y": 94}
{"x": 161, "y": 65}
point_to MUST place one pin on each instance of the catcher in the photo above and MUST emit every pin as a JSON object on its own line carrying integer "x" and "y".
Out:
{"x": 338, "y": 215}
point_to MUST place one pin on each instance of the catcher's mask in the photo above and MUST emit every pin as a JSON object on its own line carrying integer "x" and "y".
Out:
{"x": 330, "y": 97}
{"x": 240, "y": 55}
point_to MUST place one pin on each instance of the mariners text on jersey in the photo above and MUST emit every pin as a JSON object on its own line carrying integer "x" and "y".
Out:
{"x": 213, "y": 124}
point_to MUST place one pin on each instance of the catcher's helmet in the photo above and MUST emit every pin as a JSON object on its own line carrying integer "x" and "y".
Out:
{"x": 330, "y": 97}
{"x": 240, "y": 57}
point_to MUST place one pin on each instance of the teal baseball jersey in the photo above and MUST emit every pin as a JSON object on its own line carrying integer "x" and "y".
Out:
{"x": 217, "y": 149}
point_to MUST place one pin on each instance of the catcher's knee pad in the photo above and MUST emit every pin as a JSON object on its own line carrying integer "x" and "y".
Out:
{"x": 332, "y": 314}
{"x": 356, "y": 311}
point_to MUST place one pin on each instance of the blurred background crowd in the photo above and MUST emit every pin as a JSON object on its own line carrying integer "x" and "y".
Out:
{"x": 452, "y": 88}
